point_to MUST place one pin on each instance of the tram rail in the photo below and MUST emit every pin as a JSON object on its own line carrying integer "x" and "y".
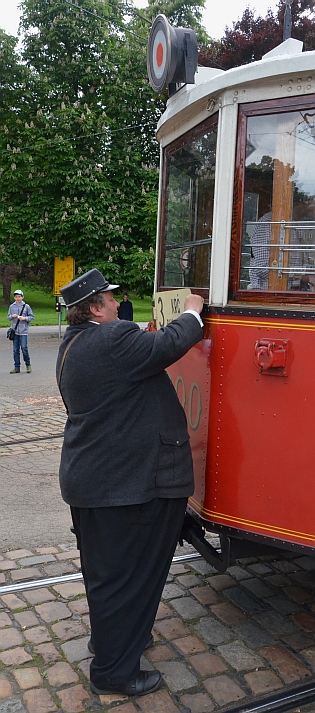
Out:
{"x": 280, "y": 702}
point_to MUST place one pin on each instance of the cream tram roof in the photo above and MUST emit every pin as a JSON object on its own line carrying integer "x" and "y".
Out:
{"x": 282, "y": 72}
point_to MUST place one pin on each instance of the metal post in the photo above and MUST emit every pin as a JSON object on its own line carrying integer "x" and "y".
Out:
{"x": 59, "y": 323}
{"x": 287, "y": 23}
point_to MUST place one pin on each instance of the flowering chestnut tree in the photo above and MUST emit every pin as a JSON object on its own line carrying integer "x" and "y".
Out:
{"x": 79, "y": 160}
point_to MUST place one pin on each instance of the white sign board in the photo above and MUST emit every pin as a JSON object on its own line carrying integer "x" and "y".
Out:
{"x": 168, "y": 305}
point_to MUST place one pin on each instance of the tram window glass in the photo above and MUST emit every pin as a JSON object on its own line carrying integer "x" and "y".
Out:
{"x": 189, "y": 198}
{"x": 278, "y": 226}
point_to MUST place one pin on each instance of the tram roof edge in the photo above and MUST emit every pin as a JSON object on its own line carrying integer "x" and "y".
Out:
{"x": 288, "y": 48}
{"x": 281, "y": 62}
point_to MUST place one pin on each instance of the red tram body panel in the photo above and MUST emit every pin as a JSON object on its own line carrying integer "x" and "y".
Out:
{"x": 254, "y": 469}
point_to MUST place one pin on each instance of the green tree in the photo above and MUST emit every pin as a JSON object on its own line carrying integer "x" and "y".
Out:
{"x": 79, "y": 159}
{"x": 251, "y": 37}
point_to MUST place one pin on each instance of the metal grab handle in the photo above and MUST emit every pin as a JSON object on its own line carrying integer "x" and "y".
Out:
{"x": 272, "y": 356}
{"x": 264, "y": 355}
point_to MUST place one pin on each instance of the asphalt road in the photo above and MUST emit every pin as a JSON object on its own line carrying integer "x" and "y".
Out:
{"x": 32, "y": 513}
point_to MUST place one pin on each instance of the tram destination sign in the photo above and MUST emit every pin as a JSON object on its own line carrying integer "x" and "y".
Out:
{"x": 168, "y": 305}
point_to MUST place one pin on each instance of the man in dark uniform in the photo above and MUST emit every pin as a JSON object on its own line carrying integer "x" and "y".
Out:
{"x": 126, "y": 470}
{"x": 125, "y": 309}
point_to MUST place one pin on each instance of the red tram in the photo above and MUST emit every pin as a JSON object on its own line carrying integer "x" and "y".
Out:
{"x": 236, "y": 225}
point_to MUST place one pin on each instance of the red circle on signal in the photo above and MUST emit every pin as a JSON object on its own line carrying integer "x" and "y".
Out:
{"x": 159, "y": 54}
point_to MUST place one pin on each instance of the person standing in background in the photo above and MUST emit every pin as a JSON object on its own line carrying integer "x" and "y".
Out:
{"x": 21, "y": 315}
{"x": 125, "y": 309}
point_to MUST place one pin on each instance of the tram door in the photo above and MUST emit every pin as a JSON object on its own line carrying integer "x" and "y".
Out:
{"x": 185, "y": 260}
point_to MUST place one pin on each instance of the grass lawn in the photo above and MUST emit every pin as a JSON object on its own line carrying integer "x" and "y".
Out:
{"x": 43, "y": 306}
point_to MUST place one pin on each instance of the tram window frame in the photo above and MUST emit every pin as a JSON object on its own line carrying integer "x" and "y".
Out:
{"x": 272, "y": 106}
{"x": 196, "y": 132}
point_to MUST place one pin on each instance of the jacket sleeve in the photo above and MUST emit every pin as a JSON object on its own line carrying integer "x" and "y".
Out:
{"x": 144, "y": 354}
{"x": 29, "y": 316}
{"x": 9, "y": 315}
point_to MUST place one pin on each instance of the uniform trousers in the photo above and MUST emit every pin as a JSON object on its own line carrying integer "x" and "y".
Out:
{"x": 126, "y": 552}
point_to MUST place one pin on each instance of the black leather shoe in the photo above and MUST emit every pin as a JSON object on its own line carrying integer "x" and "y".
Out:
{"x": 147, "y": 646}
{"x": 146, "y": 682}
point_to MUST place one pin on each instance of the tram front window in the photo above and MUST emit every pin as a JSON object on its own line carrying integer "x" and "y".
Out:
{"x": 278, "y": 235}
{"x": 190, "y": 177}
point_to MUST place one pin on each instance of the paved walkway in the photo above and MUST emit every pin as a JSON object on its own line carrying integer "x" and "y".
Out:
{"x": 219, "y": 638}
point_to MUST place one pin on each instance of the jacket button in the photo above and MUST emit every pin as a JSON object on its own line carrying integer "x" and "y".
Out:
{"x": 177, "y": 443}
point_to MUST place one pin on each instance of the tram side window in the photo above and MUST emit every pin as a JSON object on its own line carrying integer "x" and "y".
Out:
{"x": 189, "y": 198}
{"x": 278, "y": 227}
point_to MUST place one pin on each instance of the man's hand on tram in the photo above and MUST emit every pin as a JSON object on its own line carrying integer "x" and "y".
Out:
{"x": 194, "y": 302}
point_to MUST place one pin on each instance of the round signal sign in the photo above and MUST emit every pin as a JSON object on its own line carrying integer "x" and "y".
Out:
{"x": 172, "y": 55}
{"x": 184, "y": 259}
{"x": 159, "y": 57}
{"x": 159, "y": 54}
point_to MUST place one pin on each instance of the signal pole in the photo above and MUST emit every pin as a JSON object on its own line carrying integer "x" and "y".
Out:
{"x": 287, "y": 24}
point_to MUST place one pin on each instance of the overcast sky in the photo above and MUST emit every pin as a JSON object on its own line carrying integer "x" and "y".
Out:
{"x": 215, "y": 16}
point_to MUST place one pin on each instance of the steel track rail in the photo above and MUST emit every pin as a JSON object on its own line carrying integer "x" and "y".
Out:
{"x": 279, "y": 703}
{"x": 51, "y": 581}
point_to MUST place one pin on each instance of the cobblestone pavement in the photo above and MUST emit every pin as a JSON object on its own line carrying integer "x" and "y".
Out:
{"x": 220, "y": 639}
{"x": 32, "y": 511}
{"x": 42, "y": 419}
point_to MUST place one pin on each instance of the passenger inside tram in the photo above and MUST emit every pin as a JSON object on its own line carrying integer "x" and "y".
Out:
{"x": 278, "y": 245}
{"x": 297, "y": 237}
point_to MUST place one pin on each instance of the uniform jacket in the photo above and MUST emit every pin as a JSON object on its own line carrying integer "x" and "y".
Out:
{"x": 20, "y": 326}
{"x": 125, "y": 310}
{"x": 126, "y": 438}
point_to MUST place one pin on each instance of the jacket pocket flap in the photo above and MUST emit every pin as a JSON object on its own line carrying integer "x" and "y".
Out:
{"x": 174, "y": 439}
